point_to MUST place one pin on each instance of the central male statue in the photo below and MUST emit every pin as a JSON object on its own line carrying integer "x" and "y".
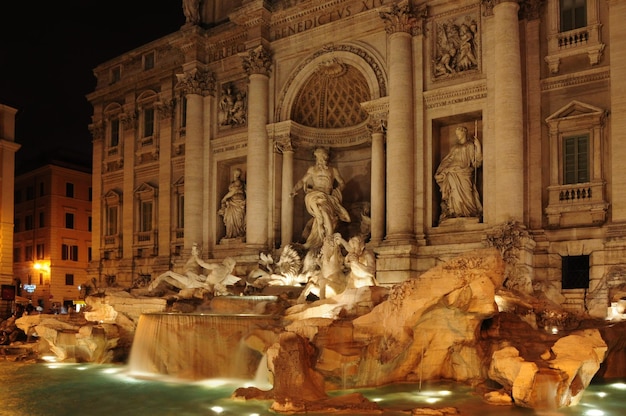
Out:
{"x": 322, "y": 186}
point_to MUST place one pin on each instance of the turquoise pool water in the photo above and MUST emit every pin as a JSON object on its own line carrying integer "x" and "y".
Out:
{"x": 94, "y": 390}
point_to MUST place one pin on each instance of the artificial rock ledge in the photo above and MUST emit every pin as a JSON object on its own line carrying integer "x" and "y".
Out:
{"x": 454, "y": 322}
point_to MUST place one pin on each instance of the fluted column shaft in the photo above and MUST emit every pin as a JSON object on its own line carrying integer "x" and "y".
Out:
{"x": 617, "y": 152}
{"x": 508, "y": 114}
{"x": 194, "y": 150}
{"x": 377, "y": 209}
{"x": 257, "y": 63}
{"x": 400, "y": 130}
{"x": 286, "y": 211}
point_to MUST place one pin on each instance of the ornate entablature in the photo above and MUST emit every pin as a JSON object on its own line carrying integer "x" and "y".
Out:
{"x": 456, "y": 46}
{"x": 231, "y": 143}
{"x": 288, "y": 21}
{"x": 309, "y": 137}
{"x": 378, "y": 111}
{"x": 453, "y": 95}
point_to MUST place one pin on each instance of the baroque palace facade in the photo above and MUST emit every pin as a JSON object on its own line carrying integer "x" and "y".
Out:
{"x": 254, "y": 86}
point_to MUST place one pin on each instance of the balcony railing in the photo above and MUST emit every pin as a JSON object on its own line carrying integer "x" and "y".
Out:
{"x": 580, "y": 204}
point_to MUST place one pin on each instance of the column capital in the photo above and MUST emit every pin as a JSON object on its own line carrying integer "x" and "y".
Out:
{"x": 490, "y": 4}
{"x": 196, "y": 81}
{"x": 97, "y": 130}
{"x": 128, "y": 119}
{"x": 257, "y": 61}
{"x": 401, "y": 18}
{"x": 529, "y": 9}
{"x": 165, "y": 108}
{"x": 284, "y": 144}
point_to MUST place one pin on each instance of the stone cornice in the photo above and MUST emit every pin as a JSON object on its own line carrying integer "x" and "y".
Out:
{"x": 452, "y": 95}
{"x": 570, "y": 80}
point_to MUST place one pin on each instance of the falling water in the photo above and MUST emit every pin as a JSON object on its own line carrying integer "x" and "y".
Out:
{"x": 196, "y": 346}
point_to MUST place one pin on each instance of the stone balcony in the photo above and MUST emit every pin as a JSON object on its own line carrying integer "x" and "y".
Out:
{"x": 576, "y": 205}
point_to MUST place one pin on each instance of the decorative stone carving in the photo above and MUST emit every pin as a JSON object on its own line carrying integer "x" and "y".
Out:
{"x": 257, "y": 61}
{"x": 197, "y": 81}
{"x": 233, "y": 106}
{"x": 399, "y": 19}
{"x": 165, "y": 109}
{"x": 97, "y": 130}
{"x": 457, "y": 46}
{"x": 129, "y": 119}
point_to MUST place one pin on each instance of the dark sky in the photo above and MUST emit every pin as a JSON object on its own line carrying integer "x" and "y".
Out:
{"x": 48, "y": 50}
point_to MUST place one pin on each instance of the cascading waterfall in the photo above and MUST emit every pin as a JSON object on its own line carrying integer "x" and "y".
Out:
{"x": 196, "y": 346}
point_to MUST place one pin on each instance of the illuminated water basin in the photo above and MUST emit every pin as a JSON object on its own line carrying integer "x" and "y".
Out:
{"x": 64, "y": 389}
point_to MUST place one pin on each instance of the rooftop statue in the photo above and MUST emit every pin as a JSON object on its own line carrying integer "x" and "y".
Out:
{"x": 191, "y": 9}
{"x": 323, "y": 186}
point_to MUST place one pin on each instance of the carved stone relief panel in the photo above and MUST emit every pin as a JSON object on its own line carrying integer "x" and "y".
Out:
{"x": 232, "y": 105}
{"x": 456, "y": 45}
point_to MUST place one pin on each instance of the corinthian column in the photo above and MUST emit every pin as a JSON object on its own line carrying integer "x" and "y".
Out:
{"x": 257, "y": 63}
{"x": 399, "y": 23}
{"x": 196, "y": 84}
{"x": 286, "y": 217}
{"x": 508, "y": 123}
{"x": 617, "y": 151}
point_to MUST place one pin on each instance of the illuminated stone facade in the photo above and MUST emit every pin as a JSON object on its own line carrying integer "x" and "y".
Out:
{"x": 257, "y": 85}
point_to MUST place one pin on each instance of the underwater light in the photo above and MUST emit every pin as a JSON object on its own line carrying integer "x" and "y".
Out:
{"x": 621, "y": 386}
{"x": 594, "y": 412}
{"x": 217, "y": 409}
{"x": 601, "y": 394}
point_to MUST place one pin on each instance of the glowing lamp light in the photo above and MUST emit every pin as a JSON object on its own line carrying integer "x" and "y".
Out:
{"x": 42, "y": 266}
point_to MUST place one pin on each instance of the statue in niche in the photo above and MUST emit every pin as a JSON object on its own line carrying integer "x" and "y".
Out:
{"x": 456, "y": 177}
{"x": 233, "y": 107}
{"x": 191, "y": 9}
{"x": 216, "y": 281}
{"x": 456, "y": 48}
{"x": 323, "y": 186}
{"x": 233, "y": 207}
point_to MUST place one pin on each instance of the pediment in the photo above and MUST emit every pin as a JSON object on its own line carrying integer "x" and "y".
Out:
{"x": 112, "y": 196}
{"x": 575, "y": 109}
{"x": 179, "y": 182}
{"x": 144, "y": 188}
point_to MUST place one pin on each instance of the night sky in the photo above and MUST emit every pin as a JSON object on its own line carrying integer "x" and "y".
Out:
{"x": 48, "y": 50}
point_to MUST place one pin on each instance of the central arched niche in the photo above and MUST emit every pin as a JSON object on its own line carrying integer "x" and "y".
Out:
{"x": 327, "y": 110}
{"x": 331, "y": 97}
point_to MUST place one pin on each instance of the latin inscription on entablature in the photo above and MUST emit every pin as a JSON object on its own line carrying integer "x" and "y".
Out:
{"x": 319, "y": 16}
{"x": 229, "y": 146}
{"x": 455, "y": 95}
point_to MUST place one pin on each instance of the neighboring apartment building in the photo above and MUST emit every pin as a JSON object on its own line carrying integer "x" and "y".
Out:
{"x": 256, "y": 85}
{"x": 8, "y": 147}
{"x": 52, "y": 237}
